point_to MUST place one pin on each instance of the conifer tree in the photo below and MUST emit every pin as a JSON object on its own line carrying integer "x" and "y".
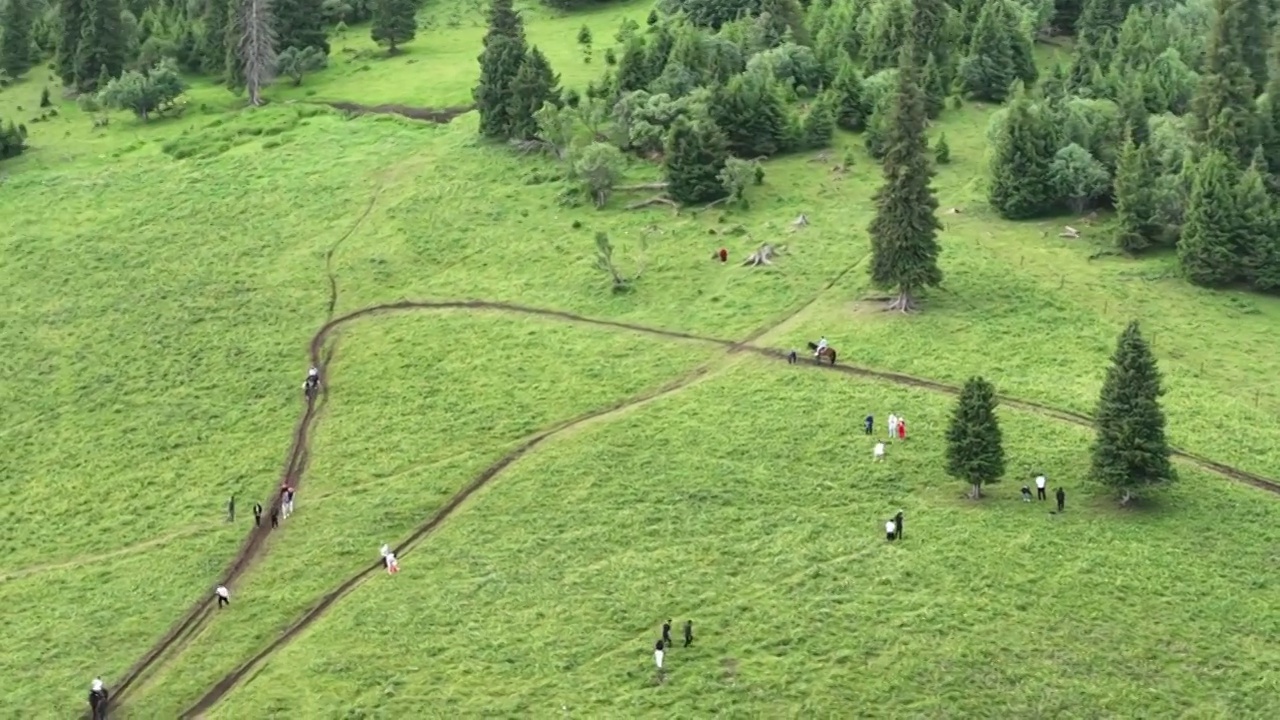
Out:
{"x": 975, "y": 445}
{"x": 251, "y": 47}
{"x": 1021, "y": 184}
{"x": 752, "y": 114}
{"x": 1207, "y": 247}
{"x": 890, "y": 24}
{"x": 819, "y": 124}
{"x": 1269, "y": 120}
{"x": 504, "y": 53}
{"x": 533, "y": 85}
{"x": 16, "y": 18}
{"x": 1131, "y": 451}
{"x": 394, "y": 23}
{"x": 300, "y": 24}
{"x": 213, "y": 49}
{"x": 1137, "y": 227}
{"x": 1258, "y": 229}
{"x": 993, "y": 63}
{"x": 851, "y": 112}
{"x": 71, "y": 17}
{"x": 904, "y": 242}
{"x": 1223, "y": 106}
{"x": 1133, "y": 106}
{"x": 1256, "y": 24}
{"x": 696, "y": 153}
{"x": 633, "y": 67}
{"x": 101, "y": 52}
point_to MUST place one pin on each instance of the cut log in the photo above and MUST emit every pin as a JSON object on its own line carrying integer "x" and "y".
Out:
{"x": 762, "y": 256}
{"x": 644, "y": 186}
{"x": 659, "y": 200}
{"x": 1069, "y": 232}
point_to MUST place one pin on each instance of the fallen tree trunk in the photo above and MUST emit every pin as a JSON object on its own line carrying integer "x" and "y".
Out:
{"x": 762, "y": 256}
{"x": 645, "y": 186}
{"x": 659, "y": 200}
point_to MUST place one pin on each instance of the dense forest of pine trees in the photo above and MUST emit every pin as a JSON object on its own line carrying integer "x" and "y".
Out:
{"x": 1164, "y": 112}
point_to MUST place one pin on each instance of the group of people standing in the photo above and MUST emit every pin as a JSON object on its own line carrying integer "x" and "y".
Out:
{"x": 660, "y": 649}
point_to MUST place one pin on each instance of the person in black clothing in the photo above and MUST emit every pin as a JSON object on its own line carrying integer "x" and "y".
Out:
{"x": 666, "y": 633}
{"x": 98, "y": 697}
{"x": 231, "y": 509}
{"x": 791, "y": 358}
{"x": 275, "y": 518}
{"x": 897, "y": 523}
{"x": 257, "y": 514}
{"x": 688, "y": 633}
{"x": 1062, "y": 499}
{"x": 869, "y": 424}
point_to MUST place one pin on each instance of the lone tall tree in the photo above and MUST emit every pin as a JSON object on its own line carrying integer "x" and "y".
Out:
{"x": 16, "y": 19}
{"x": 393, "y": 23}
{"x": 253, "y": 55}
{"x": 904, "y": 242}
{"x": 1131, "y": 451}
{"x": 975, "y": 448}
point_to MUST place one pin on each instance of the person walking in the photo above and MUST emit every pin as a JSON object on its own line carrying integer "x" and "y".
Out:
{"x": 688, "y": 633}
{"x": 897, "y": 521}
{"x": 231, "y": 509}
{"x": 257, "y": 514}
{"x": 657, "y": 654}
{"x": 893, "y": 425}
{"x": 666, "y": 633}
{"x": 877, "y": 454}
{"x": 902, "y": 429}
{"x": 275, "y": 517}
{"x": 791, "y": 357}
{"x": 868, "y": 424}
{"x": 224, "y": 597}
{"x": 288, "y": 502}
{"x": 890, "y": 531}
{"x": 1061, "y": 495}
{"x": 98, "y": 700}
{"x": 1040, "y": 482}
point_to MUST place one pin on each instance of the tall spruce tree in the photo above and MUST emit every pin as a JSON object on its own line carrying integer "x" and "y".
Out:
{"x": 1258, "y": 229}
{"x": 696, "y": 153}
{"x": 1137, "y": 225}
{"x": 16, "y": 19}
{"x": 1022, "y": 184}
{"x": 1131, "y": 451}
{"x": 533, "y": 85}
{"x": 975, "y": 445}
{"x": 997, "y": 56}
{"x": 251, "y": 38}
{"x": 101, "y": 52}
{"x": 1207, "y": 248}
{"x": 394, "y": 23}
{"x": 1257, "y": 22}
{"x": 851, "y": 109}
{"x": 1223, "y": 107}
{"x": 504, "y": 53}
{"x": 213, "y": 47}
{"x": 904, "y": 231}
{"x": 70, "y": 17}
{"x": 300, "y": 24}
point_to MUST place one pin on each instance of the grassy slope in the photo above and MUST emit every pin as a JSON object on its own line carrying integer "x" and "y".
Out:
{"x": 132, "y": 273}
{"x": 765, "y": 528}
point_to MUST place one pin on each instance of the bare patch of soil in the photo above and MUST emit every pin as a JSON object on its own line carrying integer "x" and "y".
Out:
{"x": 441, "y": 116}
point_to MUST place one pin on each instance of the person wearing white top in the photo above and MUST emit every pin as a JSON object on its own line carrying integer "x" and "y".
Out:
{"x": 878, "y": 454}
{"x": 224, "y": 597}
{"x": 657, "y": 655}
{"x": 1040, "y": 482}
{"x": 890, "y": 530}
{"x": 893, "y": 425}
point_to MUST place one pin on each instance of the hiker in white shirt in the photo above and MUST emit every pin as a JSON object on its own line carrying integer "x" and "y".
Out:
{"x": 657, "y": 654}
{"x": 878, "y": 453}
{"x": 890, "y": 530}
{"x": 224, "y": 597}
{"x": 893, "y": 425}
{"x": 1040, "y": 482}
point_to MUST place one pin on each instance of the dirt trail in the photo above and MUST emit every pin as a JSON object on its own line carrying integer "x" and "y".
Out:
{"x": 295, "y": 466}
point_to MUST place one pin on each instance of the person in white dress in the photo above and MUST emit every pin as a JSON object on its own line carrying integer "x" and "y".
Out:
{"x": 878, "y": 454}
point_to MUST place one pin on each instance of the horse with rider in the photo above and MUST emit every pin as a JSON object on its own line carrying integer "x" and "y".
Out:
{"x": 822, "y": 350}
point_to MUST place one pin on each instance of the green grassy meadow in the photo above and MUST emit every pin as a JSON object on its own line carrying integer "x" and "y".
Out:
{"x": 162, "y": 282}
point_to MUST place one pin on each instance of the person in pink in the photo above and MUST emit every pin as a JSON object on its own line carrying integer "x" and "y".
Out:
{"x": 902, "y": 429}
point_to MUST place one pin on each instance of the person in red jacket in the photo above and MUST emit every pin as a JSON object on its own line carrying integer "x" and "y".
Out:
{"x": 724, "y": 255}
{"x": 902, "y": 429}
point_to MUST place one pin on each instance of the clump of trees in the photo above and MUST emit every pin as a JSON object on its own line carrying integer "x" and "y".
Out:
{"x": 144, "y": 93}
{"x": 13, "y": 140}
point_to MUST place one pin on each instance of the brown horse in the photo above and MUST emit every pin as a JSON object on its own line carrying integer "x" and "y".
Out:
{"x": 827, "y": 352}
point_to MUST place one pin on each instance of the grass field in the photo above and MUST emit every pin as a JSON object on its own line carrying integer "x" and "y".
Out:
{"x": 162, "y": 282}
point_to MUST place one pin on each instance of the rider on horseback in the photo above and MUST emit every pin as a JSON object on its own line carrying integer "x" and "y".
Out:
{"x": 822, "y": 345}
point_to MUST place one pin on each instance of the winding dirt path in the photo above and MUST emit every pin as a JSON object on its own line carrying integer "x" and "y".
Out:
{"x": 321, "y": 353}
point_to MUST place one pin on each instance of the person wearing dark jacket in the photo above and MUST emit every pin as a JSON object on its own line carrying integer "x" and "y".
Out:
{"x": 98, "y": 700}
{"x": 666, "y": 633}
{"x": 688, "y": 633}
{"x": 257, "y": 514}
{"x": 1062, "y": 499}
{"x": 897, "y": 521}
